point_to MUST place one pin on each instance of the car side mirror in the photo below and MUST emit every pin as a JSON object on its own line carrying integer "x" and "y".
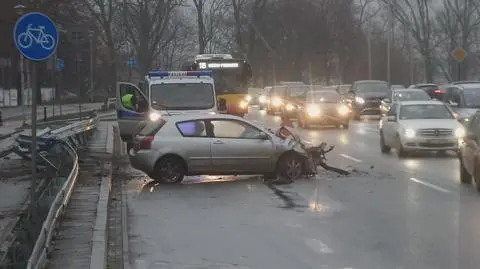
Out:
{"x": 222, "y": 104}
{"x": 387, "y": 100}
{"x": 263, "y": 136}
{"x": 391, "y": 118}
{"x": 452, "y": 104}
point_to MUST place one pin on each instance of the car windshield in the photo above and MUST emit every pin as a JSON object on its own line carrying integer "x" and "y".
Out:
{"x": 279, "y": 91}
{"x": 472, "y": 97}
{"x": 411, "y": 96}
{"x": 182, "y": 96}
{"x": 324, "y": 97}
{"x": 425, "y": 111}
{"x": 373, "y": 87}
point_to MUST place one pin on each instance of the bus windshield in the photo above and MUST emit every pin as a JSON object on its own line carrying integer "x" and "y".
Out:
{"x": 182, "y": 96}
{"x": 228, "y": 81}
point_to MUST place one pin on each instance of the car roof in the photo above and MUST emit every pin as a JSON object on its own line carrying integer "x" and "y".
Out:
{"x": 408, "y": 90}
{"x": 425, "y": 84}
{"x": 465, "y": 82}
{"x": 424, "y": 102}
{"x": 369, "y": 81}
{"x": 197, "y": 116}
{"x": 468, "y": 85}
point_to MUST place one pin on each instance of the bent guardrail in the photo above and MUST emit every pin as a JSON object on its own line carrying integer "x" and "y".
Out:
{"x": 32, "y": 237}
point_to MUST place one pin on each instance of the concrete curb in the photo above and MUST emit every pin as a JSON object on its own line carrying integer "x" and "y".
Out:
{"x": 125, "y": 242}
{"x": 98, "y": 259}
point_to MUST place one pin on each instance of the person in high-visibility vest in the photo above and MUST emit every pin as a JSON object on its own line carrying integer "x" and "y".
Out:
{"x": 129, "y": 101}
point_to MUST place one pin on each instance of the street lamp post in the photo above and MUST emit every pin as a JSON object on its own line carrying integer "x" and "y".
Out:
{"x": 90, "y": 35}
{"x": 20, "y": 9}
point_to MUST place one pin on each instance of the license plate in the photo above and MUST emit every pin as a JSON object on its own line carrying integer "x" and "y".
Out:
{"x": 437, "y": 141}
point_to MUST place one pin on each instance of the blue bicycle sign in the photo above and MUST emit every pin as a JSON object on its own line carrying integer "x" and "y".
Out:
{"x": 26, "y": 39}
{"x": 36, "y": 36}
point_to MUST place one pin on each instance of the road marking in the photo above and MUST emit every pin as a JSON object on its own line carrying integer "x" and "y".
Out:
{"x": 318, "y": 246}
{"x": 350, "y": 158}
{"x": 140, "y": 264}
{"x": 435, "y": 187}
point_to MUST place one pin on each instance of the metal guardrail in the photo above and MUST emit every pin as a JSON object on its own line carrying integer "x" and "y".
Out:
{"x": 32, "y": 240}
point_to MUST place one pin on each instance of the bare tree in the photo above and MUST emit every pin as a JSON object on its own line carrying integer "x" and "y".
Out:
{"x": 467, "y": 21}
{"x": 146, "y": 23}
{"x": 107, "y": 15}
{"x": 210, "y": 15}
{"x": 417, "y": 16}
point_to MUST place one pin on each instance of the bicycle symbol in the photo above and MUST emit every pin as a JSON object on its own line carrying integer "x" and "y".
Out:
{"x": 25, "y": 39}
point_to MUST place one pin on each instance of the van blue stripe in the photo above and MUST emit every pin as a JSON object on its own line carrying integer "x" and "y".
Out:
{"x": 129, "y": 114}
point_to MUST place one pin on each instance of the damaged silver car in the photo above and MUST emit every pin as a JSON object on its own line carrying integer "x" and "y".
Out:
{"x": 170, "y": 148}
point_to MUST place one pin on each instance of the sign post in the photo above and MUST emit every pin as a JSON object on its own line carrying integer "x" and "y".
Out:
{"x": 459, "y": 54}
{"x": 36, "y": 37}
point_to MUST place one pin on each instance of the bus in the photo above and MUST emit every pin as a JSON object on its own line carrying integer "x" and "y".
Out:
{"x": 231, "y": 77}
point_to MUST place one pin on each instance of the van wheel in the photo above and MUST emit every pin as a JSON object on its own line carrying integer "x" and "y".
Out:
{"x": 170, "y": 169}
{"x": 400, "y": 151}
{"x": 465, "y": 177}
{"x": 290, "y": 167}
{"x": 383, "y": 147}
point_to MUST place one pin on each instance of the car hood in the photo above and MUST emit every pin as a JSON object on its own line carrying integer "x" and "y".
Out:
{"x": 379, "y": 95}
{"x": 466, "y": 112}
{"x": 430, "y": 123}
{"x": 184, "y": 112}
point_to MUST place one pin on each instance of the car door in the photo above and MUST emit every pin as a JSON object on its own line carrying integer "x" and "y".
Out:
{"x": 236, "y": 147}
{"x": 128, "y": 119}
{"x": 453, "y": 98}
{"x": 195, "y": 145}
{"x": 389, "y": 128}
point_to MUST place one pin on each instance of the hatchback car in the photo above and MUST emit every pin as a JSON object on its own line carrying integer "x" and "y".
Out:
{"x": 172, "y": 147}
{"x": 419, "y": 126}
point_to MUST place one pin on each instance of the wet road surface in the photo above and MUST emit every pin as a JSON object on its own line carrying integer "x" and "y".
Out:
{"x": 388, "y": 214}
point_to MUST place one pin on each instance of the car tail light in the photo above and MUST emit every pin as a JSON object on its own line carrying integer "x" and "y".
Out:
{"x": 146, "y": 142}
{"x": 438, "y": 91}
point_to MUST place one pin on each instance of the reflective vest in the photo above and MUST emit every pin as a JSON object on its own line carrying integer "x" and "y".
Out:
{"x": 127, "y": 101}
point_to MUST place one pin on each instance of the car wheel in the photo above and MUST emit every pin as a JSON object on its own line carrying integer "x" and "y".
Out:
{"x": 169, "y": 170}
{"x": 465, "y": 177}
{"x": 345, "y": 125}
{"x": 400, "y": 151}
{"x": 290, "y": 167}
{"x": 476, "y": 176}
{"x": 383, "y": 147}
{"x": 356, "y": 116}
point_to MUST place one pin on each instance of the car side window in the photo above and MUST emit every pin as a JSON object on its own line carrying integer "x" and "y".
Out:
{"x": 392, "y": 111}
{"x": 194, "y": 128}
{"x": 234, "y": 129}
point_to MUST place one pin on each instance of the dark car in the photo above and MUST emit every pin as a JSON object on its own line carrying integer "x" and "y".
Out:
{"x": 469, "y": 152}
{"x": 323, "y": 108}
{"x": 433, "y": 90}
{"x": 463, "y": 99}
{"x": 365, "y": 97}
{"x": 276, "y": 99}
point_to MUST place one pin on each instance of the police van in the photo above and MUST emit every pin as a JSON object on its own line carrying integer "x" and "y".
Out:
{"x": 164, "y": 93}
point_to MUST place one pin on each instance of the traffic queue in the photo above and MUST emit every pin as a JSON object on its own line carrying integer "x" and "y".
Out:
{"x": 172, "y": 134}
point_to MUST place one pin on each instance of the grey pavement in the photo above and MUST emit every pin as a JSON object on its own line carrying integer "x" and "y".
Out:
{"x": 389, "y": 214}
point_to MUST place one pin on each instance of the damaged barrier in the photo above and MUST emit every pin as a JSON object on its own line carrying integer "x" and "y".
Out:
{"x": 30, "y": 242}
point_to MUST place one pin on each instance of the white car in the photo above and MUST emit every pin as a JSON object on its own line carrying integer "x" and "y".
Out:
{"x": 411, "y": 126}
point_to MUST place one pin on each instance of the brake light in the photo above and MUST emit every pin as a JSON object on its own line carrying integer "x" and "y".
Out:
{"x": 147, "y": 142}
{"x": 438, "y": 91}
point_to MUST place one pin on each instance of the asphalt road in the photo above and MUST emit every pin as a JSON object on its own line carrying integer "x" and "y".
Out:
{"x": 389, "y": 214}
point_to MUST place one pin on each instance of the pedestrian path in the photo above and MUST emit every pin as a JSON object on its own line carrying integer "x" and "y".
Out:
{"x": 75, "y": 240}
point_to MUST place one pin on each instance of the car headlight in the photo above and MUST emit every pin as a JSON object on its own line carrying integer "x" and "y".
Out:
{"x": 276, "y": 101}
{"x": 262, "y": 99}
{"x": 343, "y": 110}
{"x": 359, "y": 100}
{"x": 290, "y": 107}
{"x": 409, "y": 133}
{"x": 243, "y": 104}
{"x": 460, "y": 132}
{"x": 313, "y": 110}
{"x": 248, "y": 98}
{"x": 154, "y": 116}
